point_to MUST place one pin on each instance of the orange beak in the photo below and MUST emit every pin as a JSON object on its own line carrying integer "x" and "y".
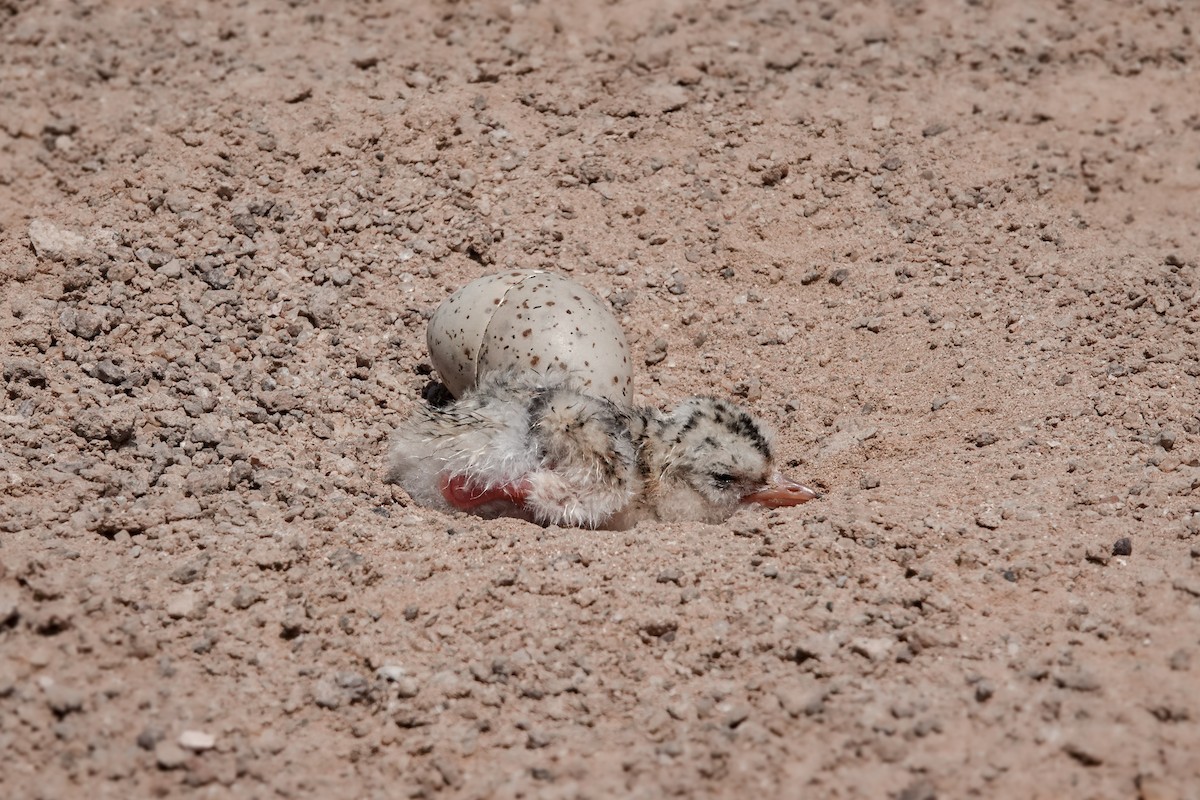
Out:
{"x": 780, "y": 493}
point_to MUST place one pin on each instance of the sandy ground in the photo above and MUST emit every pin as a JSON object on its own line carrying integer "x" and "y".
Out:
{"x": 948, "y": 248}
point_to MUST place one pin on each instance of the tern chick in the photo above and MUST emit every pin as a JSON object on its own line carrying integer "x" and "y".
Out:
{"x": 535, "y": 446}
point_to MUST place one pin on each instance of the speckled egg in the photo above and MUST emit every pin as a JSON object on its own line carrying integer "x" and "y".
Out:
{"x": 529, "y": 319}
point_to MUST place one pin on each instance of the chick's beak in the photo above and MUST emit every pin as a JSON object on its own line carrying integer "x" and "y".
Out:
{"x": 780, "y": 492}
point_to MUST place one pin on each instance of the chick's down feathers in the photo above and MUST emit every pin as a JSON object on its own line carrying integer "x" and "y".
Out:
{"x": 535, "y": 446}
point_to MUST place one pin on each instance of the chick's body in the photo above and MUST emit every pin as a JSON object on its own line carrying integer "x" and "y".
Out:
{"x": 536, "y": 446}
{"x": 521, "y": 444}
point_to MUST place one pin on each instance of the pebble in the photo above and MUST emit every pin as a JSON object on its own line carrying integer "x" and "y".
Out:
{"x": 169, "y": 755}
{"x": 54, "y": 243}
{"x": 876, "y": 649}
{"x": 197, "y": 741}
{"x": 63, "y": 699}
{"x": 112, "y": 373}
{"x": 1123, "y": 547}
{"x": 26, "y": 371}
{"x": 10, "y": 603}
{"x": 113, "y": 423}
{"x": 1078, "y": 681}
{"x": 983, "y": 438}
{"x": 181, "y": 604}
{"x": 1085, "y": 751}
{"x": 988, "y": 518}
{"x": 657, "y": 352}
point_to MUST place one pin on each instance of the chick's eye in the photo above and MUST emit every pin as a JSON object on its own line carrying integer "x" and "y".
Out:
{"x": 722, "y": 479}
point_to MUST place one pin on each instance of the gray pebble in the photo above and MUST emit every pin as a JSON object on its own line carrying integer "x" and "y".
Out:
{"x": 658, "y": 352}
{"x": 327, "y": 695}
{"x": 149, "y": 737}
{"x": 988, "y": 518}
{"x": 87, "y": 325}
{"x": 983, "y": 438}
{"x": 169, "y": 755}
{"x": 245, "y": 596}
{"x": 671, "y": 575}
{"x": 110, "y": 372}
{"x": 113, "y": 423}
{"x": 1078, "y": 681}
{"x": 191, "y": 571}
{"x": 64, "y": 700}
{"x": 25, "y": 371}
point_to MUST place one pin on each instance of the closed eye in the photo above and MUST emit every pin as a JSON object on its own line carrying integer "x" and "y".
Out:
{"x": 723, "y": 480}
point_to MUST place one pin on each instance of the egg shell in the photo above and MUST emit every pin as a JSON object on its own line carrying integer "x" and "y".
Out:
{"x": 458, "y": 326}
{"x": 529, "y": 319}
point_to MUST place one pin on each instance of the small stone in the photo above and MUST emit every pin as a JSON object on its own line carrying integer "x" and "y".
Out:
{"x": 207, "y": 433}
{"x": 920, "y": 789}
{"x": 1166, "y": 440}
{"x": 181, "y": 604}
{"x": 54, "y": 243}
{"x": 149, "y": 738}
{"x": 191, "y": 571}
{"x": 875, "y": 649}
{"x": 169, "y": 755}
{"x": 1189, "y": 585}
{"x": 1123, "y": 547}
{"x": 10, "y": 603}
{"x": 187, "y": 508}
{"x": 1084, "y": 752}
{"x": 197, "y": 741}
{"x": 774, "y": 174}
{"x": 839, "y": 277}
{"x": 670, "y": 576}
{"x": 658, "y": 352}
{"x": 114, "y": 423}
{"x": 984, "y": 691}
{"x": 25, "y": 371}
{"x": 326, "y": 694}
{"x": 390, "y": 672}
{"x": 63, "y": 700}
{"x": 983, "y": 439}
{"x": 1078, "y": 681}
{"x": 988, "y": 518}
{"x": 868, "y": 482}
{"x": 736, "y": 716}
{"x": 245, "y": 596}
{"x": 112, "y": 373}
